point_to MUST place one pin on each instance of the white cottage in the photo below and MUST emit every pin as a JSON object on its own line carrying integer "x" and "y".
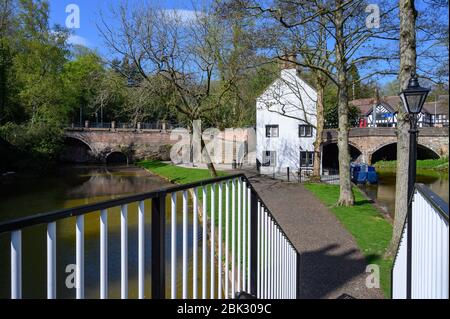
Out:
{"x": 285, "y": 124}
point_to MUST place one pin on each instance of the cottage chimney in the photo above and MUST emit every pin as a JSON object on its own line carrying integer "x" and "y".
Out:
{"x": 288, "y": 67}
{"x": 288, "y": 61}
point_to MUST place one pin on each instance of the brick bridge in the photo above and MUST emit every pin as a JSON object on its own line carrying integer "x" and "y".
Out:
{"x": 95, "y": 144}
{"x": 130, "y": 144}
{"x": 377, "y": 143}
{"x": 100, "y": 145}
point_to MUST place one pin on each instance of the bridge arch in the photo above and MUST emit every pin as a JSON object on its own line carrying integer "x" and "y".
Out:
{"x": 330, "y": 154}
{"x": 116, "y": 157}
{"x": 77, "y": 150}
{"x": 388, "y": 152}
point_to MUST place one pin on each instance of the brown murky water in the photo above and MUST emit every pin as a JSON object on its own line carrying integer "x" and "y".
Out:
{"x": 384, "y": 192}
{"x": 71, "y": 187}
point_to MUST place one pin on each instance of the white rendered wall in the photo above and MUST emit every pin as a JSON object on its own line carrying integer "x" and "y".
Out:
{"x": 286, "y": 101}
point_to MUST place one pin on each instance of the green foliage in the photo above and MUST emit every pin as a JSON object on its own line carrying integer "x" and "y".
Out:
{"x": 36, "y": 145}
{"x": 331, "y": 109}
{"x": 32, "y": 56}
{"x": 81, "y": 78}
{"x": 238, "y": 107}
{"x": 371, "y": 231}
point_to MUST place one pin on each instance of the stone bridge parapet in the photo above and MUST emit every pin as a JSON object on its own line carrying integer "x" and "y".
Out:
{"x": 369, "y": 140}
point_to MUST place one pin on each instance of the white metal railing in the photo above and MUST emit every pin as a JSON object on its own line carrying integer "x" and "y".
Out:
{"x": 258, "y": 259}
{"x": 428, "y": 242}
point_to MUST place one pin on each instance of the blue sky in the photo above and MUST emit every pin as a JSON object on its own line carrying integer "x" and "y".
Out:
{"x": 87, "y": 34}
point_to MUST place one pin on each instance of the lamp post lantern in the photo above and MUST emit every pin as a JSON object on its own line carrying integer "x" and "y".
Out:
{"x": 413, "y": 98}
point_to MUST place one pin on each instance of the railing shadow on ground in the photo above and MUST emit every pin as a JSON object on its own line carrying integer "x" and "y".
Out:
{"x": 318, "y": 277}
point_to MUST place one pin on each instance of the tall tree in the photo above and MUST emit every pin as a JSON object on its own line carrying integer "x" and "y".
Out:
{"x": 408, "y": 56}
{"x": 7, "y": 83}
{"x": 82, "y": 77}
{"x": 345, "y": 25}
{"x": 42, "y": 53}
{"x": 183, "y": 52}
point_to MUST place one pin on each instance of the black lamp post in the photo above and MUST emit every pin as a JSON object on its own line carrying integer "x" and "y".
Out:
{"x": 413, "y": 99}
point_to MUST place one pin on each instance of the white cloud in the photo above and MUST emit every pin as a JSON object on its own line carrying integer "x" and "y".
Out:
{"x": 78, "y": 40}
{"x": 185, "y": 16}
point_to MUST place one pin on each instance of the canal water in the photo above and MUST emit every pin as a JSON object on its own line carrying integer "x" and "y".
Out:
{"x": 73, "y": 186}
{"x": 384, "y": 192}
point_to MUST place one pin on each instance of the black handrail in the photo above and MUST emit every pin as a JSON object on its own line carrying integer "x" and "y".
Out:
{"x": 45, "y": 218}
{"x": 270, "y": 213}
{"x": 435, "y": 200}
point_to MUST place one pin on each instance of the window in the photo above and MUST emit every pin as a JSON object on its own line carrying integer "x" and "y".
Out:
{"x": 306, "y": 159}
{"x": 269, "y": 158}
{"x": 272, "y": 131}
{"x": 305, "y": 131}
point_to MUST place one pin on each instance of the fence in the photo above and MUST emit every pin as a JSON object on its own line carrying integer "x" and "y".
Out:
{"x": 128, "y": 126}
{"x": 242, "y": 248}
{"x": 421, "y": 267}
{"x": 304, "y": 174}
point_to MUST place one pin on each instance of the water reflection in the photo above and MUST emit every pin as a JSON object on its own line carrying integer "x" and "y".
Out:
{"x": 71, "y": 187}
{"x": 384, "y": 192}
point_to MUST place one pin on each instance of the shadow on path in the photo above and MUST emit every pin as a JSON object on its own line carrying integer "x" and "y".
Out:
{"x": 319, "y": 275}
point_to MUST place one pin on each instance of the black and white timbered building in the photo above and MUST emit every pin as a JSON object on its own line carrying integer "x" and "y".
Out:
{"x": 381, "y": 112}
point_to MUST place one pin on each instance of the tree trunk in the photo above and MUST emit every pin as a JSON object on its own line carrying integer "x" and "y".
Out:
{"x": 209, "y": 163}
{"x": 407, "y": 66}
{"x": 346, "y": 197}
{"x": 320, "y": 83}
{"x": 204, "y": 156}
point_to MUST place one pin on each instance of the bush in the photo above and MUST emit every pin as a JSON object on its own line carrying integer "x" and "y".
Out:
{"x": 35, "y": 145}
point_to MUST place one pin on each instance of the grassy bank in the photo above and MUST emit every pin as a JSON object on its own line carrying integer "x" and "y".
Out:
{"x": 439, "y": 165}
{"x": 176, "y": 174}
{"x": 370, "y": 230}
{"x": 183, "y": 175}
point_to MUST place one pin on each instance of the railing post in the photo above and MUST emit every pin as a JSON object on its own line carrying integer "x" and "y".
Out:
{"x": 253, "y": 243}
{"x": 297, "y": 279}
{"x": 158, "y": 246}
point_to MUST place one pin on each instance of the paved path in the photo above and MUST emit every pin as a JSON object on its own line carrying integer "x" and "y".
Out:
{"x": 331, "y": 263}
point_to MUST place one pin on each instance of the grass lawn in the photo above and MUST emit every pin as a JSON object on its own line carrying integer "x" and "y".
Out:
{"x": 176, "y": 174}
{"x": 183, "y": 175}
{"x": 370, "y": 230}
{"x": 440, "y": 164}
